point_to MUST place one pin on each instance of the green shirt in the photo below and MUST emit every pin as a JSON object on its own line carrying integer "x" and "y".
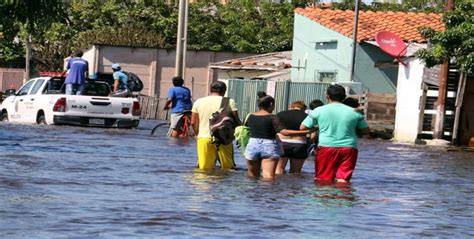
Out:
{"x": 337, "y": 125}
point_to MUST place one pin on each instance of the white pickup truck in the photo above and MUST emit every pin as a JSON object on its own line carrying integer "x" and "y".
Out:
{"x": 42, "y": 101}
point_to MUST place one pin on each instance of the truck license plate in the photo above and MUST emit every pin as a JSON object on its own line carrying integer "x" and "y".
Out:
{"x": 97, "y": 121}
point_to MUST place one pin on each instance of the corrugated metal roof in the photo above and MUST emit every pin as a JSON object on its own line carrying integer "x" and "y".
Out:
{"x": 265, "y": 62}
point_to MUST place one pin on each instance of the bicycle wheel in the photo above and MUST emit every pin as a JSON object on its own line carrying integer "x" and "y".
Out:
{"x": 157, "y": 126}
{"x": 185, "y": 127}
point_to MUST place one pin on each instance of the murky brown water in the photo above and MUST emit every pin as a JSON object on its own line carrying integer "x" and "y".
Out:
{"x": 101, "y": 183}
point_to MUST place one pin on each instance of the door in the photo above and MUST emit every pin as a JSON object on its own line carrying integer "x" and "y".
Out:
{"x": 23, "y": 104}
{"x": 32, "y": 101}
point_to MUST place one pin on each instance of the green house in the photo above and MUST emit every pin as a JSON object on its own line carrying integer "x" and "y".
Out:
{"x": 322, "y": 45}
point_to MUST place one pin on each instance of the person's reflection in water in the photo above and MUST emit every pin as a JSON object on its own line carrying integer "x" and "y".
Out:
{"x": 203, "y": 180}
{"x": 335, "y": 193}
{"x": 184, "y": 141}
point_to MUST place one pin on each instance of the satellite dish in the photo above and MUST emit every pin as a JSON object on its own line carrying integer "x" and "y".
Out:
{"x": 391, "y": 44}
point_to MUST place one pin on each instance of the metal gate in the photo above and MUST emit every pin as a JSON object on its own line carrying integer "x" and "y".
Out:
{"x": 244, "y": 92}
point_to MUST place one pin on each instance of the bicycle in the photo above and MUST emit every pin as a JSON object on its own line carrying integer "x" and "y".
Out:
{"x": 184, "y": 123}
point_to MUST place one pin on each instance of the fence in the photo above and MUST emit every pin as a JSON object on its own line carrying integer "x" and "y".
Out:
{"x": 11, "y": 78}
{"x": 244, "y": 92}
{"x": 379, "y": 110}
{"x": 152, "y": 108}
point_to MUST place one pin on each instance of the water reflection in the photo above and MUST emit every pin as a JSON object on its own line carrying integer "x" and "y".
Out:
{"x": 335, "y": 194}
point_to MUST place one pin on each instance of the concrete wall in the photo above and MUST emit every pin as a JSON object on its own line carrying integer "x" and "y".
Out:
{"x": 409, "y": 92}
{"x": 311, "y": 60}
{"x": 155, "y": 67}
{"x": 383, "y": 80}
{"x": 310, "y": 57}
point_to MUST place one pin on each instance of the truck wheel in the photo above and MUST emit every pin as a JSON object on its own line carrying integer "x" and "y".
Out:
{"x": 41, "y": 119}
{"x": 4, "y": 117}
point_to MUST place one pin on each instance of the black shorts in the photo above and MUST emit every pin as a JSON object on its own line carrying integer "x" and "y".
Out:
{"x": 294, "y": 150}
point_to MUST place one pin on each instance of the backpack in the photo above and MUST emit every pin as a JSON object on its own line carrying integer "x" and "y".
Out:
{"x": 134, "y": 83}
{"x": 242, "y": 134}
{"x": 222, "y": 124}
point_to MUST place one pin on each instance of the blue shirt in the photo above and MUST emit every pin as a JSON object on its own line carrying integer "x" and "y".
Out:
{"x": 122, "y": 78}
{"x": 337, "y": 125}
{"x": 180, "y": 97}
{"x": 77, "y": 68}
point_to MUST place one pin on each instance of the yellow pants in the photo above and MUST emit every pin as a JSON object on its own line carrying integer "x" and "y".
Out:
{"x": 207, "y": 152}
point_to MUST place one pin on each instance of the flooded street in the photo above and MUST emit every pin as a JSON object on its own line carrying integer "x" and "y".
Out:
{"x": 100, "y": 183}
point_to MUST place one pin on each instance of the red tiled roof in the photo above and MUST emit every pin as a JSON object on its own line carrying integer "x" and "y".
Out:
{"x": 404, "y": 24}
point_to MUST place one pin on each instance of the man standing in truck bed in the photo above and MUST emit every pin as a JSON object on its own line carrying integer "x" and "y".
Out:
{"x": 78, "y": 70}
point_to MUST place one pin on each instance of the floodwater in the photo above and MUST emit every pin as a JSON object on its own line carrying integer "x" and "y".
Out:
{"x": 58, "y": 181}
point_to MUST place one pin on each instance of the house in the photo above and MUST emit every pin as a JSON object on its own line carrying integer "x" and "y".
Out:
{"x": 271, "y": 66}
{"x": 322, "y": 48}
{"x": 322, "y": 45}
{"x": 156, "y": 67}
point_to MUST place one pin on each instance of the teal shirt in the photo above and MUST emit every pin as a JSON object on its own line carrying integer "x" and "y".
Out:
{"x": 337, "y": 125}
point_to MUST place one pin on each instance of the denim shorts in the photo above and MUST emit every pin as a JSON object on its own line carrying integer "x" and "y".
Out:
{"x": 262, "y": 149}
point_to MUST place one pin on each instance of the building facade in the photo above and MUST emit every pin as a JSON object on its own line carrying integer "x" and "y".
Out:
{"x": 322, "y": 45}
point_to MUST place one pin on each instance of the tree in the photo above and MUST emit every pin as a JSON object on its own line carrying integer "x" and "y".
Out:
{"x": 205, "y": 31}
{"x": 456, "y": 42}
{"x": 31, "y": 18}
{"x": 241, "y": 24}
{"x": 277, "y": 31}
{"x": 10, "y": 49}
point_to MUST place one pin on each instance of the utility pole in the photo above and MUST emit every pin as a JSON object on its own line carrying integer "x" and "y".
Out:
{"x": 354, "y": 39}
{"x": 28, "y": 59}
{"x": 185, "y": 38}
{"x": 438, "y": 131}
{"x": 180, "y": 41}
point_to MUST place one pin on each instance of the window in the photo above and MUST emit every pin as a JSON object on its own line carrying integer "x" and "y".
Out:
{"x": 327, "y": 76}
{"x": 36, "y": 87}
{"x": 24, "y": 90}
{"x": 326, "y": 45}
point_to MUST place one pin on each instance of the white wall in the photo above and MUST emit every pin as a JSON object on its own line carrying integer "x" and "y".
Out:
{"x": 407, "y": 117}
{"x": 155, "y": 67}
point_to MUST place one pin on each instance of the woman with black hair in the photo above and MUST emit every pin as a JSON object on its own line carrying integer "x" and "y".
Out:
{"x": 263, "y": 150}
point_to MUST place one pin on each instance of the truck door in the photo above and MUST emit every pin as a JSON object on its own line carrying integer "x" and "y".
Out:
{"x": 22, "y": 103}
{"x": 33, "y": 100}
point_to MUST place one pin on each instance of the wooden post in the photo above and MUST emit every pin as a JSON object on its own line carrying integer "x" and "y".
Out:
{"x": 459, "y": 101}
{"x": 441, "y": 103}
{"x": 422, "y": 106}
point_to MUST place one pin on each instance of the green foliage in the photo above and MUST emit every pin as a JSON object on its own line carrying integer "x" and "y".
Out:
{"x": 204, "y": 28}
{"x": 127, "y": 35}
{"x": 10, "y": 49}
{"x": 456, "y": 42}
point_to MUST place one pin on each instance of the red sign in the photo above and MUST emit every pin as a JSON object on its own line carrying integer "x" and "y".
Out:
{"x": 50, "y": 73}
{"x": 391, "y": 44}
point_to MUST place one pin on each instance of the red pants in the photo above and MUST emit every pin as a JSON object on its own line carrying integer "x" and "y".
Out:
{"x": 335, "y": 163}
